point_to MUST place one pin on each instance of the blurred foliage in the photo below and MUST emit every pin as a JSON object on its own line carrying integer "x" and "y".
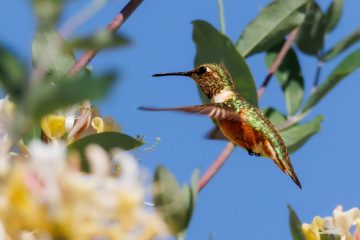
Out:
{"x": 99, "y": 40}
{"x": 175, "y": 203}
{"x": 106, "y": 140}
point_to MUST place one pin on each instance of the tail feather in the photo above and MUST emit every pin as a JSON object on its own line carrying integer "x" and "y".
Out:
{"x": 289, "y": 170}
{"x": 294, "y": 177}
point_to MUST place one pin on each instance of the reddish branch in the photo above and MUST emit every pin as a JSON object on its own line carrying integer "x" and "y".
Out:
{"x": 217, "y": 164}
{"x": 278, "y": 60}
{"x": 113, "y": 26}
{"x": 214, "y": 168}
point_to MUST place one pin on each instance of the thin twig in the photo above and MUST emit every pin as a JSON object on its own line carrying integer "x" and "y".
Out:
{"x": 292, "y": 120}
{"x": 113, "y": 26}
{"x": 81, "y": 17}
{"x": 215, "y": 167}
{"x": 220, "y": 160}
{"x": 221, "y": 16}
{"x": 319, "y": 67}
{"x": 278, "y": 60}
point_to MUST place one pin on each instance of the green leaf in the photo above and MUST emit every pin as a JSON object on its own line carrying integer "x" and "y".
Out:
{"x": 12, "y": 75}
{"x": 297, "y": 135}
{"x": 327, "y": 236}
{"x": 274, "y": 22}
{"x": 49, "y": 96}
{"x": 106, "y": 140}
{"x": 341, "y": 46}
{"x": 350, "y": 64}
{"x": 274, "y": 116}
{"x": 47, "y": 12}
{"x": 100, "y": 40}
{"x": 295, "y": 225}
{"x": 312, "y": 31}
{"x": 290, "y": 78}
{"x": 333, "y": 14}
{"x": 49, "y": 52}
{"x": 214, "y": 47}
{"x": 175, "y": 204}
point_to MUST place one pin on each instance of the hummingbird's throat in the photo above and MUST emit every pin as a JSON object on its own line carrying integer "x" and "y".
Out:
{"x": 222, "y": 96}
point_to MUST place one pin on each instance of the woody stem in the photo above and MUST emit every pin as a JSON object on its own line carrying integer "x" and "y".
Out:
{"x": 278, "y": 60}
{"x": 113, "y": 26}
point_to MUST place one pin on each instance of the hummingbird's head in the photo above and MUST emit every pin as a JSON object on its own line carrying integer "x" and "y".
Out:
{"x": 213, "y": 79}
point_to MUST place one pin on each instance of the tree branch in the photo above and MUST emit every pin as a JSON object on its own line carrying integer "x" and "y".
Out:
{"x": 220, "y": 160}
{"x": 278, "y": 60}
{"x": 215, "y": 167}
{"x": 113, "y": 26}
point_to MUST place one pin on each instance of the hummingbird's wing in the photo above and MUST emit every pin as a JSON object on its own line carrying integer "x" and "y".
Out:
{"x": 213, "y": 110}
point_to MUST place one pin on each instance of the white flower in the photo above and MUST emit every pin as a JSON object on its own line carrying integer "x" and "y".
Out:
{"x": 47, "y": 162}
{"x": 344, "y": 220}
{"x": 99, "y": 160}
{"x": 6, "y": 118}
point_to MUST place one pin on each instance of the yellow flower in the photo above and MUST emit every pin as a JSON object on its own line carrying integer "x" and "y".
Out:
{"x": 106, "y": 124}
{"x": 312, "y": 231}
{"x": 21, "y": 210}
{"x": 53, "y": 125}
{"x": 98, "y": 124}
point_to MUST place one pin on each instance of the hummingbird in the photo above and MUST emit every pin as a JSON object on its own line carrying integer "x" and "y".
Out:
{"x": 240, "y": 122}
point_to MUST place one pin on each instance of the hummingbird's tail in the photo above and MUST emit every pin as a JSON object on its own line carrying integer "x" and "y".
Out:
{"x": 289, "y": 170}
{"x": 293, "y": 176}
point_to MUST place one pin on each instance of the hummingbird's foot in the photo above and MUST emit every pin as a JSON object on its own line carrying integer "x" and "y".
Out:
{"x": 251, "y": 153}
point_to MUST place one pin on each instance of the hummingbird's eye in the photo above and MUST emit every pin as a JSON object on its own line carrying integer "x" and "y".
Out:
{"x": 202, "y": 70}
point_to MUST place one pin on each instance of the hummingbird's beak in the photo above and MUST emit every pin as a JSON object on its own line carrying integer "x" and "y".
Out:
{"x": 188, "y": 74}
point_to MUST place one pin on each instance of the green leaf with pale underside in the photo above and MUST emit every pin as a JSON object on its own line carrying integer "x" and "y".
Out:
{"x": 274, "y": 116}
{"x": 350, "y": 64}
{"x": 297, "y": 135}
{"x": 333, "y": 14}
{"x": 341, "y": 46}
{"x": 273, "y": 23}
{"x": 312, "y": 31}
{"x": 295, "y": 225}
{"x": 290, "y": 78}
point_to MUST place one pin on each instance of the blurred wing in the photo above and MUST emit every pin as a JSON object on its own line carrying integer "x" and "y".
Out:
{"x": 216, "y": 134}
{"x": 213, "y": 110}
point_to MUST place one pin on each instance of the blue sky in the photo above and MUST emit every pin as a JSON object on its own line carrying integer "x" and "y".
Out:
{"x": 248, "y": 197}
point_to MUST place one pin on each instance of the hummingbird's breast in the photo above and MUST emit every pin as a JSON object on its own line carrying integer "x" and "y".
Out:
{"x": 244, "y": 135}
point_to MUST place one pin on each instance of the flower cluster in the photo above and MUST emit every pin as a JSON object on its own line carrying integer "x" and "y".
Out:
{"x": 44, "y": 195}
{"x": 75, "y": 122}
{"x": 345, "y": 224}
